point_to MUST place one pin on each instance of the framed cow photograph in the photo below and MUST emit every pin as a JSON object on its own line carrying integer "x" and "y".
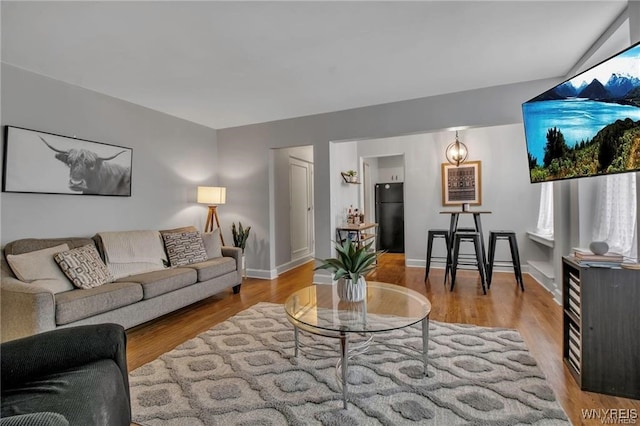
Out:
{"x": 39, "y": 162}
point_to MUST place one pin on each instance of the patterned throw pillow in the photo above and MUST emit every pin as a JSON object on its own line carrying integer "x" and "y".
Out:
{"x": 84, "y": 267}
{"x": 184, "y": 248}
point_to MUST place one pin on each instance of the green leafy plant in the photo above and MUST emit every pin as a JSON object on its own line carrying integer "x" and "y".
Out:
{"x": 353, "y": 261}
{"x": 351, "y": 173}
{"x": 240, "y": 235}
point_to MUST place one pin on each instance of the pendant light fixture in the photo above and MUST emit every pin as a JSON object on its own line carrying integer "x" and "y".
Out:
{"x": 457, "y": 152}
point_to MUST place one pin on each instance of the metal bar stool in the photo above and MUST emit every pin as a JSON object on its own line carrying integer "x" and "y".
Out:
{"x": 473, "y": 237}
{"x": 431, "y": 234}
{"x": 494, "y": 236}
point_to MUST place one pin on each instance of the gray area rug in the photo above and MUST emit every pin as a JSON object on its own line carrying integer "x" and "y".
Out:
{"x": 242, "y": 372}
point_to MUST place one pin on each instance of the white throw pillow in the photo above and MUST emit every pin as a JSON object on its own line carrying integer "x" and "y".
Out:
{"x": 212, "y": 243}
{"x": 39, "y": 268}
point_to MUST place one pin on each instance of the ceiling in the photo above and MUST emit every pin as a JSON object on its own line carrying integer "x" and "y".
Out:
{"x": 226, "y": 64}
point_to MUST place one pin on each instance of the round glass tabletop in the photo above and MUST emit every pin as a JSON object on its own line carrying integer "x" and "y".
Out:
{"x": 386, "y": 307}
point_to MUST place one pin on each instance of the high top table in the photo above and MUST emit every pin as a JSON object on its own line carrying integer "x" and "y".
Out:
{"x": 318, "y": 309}
{"x": 453, "y": 227}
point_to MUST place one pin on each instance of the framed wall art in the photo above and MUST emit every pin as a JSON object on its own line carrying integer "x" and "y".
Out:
{"x": 462, "y": 184}
{"x": 39, "y": 162}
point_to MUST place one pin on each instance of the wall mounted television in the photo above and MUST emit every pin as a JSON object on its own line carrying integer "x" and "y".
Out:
{"x": 588, "y": 125}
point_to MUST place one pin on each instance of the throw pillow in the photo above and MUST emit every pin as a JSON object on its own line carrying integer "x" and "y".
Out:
{"x": 38, "y": 267}
{"x": 184, "y": 248}
{"x": 212, "y": 243}
{"x": 84, "y": 267}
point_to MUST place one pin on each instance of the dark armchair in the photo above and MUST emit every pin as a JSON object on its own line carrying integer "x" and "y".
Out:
{"x": 75, "y": 376}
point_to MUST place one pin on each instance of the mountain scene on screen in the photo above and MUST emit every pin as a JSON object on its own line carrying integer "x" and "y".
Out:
{"x": 588, "y": 125}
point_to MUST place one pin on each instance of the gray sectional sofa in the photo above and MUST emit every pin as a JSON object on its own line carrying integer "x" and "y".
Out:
{"x": 28, "y": 308}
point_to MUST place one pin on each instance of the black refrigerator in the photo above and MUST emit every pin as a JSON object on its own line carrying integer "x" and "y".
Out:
{"x": 390, "y": 217}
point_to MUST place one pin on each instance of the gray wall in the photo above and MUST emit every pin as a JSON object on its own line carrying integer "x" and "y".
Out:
{"x": 245, "y": 149}
{"x": 170, "y": 158}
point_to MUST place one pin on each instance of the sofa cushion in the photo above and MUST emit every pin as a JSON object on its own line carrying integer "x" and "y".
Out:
{"x": 213, "y": 268}
{"x": 31, "y": 267}
{"x": 87, "y": 395}
{"x": 79, "y": 304}
{"x": 132, "y": 252}
{"x": 160, "y": 282}
{"x": 84, "y": 267}
{"x": 184, "y": 248}
{"x": 212, "y": 243}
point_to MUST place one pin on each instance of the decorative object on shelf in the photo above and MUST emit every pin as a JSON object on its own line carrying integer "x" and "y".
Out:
{"x": 39, "y": 162}
{"x": 354, "y": 261}
{"x": 240, "y": 236}
{"x": 462, "y": 184}
{"x": 350, "y": 176}
{"x": 213, "y": 196}
{"x": 456, "y": 152}
{"x": 599, "y": 247}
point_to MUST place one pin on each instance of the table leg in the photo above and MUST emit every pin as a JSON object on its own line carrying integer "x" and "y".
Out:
{"x": 453, "y": 225}
{"x": 296, "y": 337}
{"x": 478, "y": 223}
{"x": 425, "y": 344}
{"x": 344, "y": 354}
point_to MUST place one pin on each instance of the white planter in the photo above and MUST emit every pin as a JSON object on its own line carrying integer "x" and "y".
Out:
{"x": 244, "y": 266}
{"x": 352, "y": 292}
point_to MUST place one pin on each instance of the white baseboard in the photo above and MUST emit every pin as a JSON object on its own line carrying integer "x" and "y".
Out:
{"x": 293, "y": 264}
{"x": 263, "y": 274}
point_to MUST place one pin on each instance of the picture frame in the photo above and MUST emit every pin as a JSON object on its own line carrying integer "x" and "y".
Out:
{"x": 462, "y": 184}
{"x": 46, "y": 163}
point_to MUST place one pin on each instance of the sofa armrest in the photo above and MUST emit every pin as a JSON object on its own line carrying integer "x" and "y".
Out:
{"x": 58, "y": 350}
{"x": 35, "y": 419}
{"x": 25, "y": 309}
{"x": 236, "y": 253}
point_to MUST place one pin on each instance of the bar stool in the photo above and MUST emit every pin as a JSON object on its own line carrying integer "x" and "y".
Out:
{"x": 431, "y": 234}
{"x": 494, "y": 236}
{"x": 473, "y": 237}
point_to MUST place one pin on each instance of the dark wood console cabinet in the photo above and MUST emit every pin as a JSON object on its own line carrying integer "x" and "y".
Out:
{"x": 601, "y": 323}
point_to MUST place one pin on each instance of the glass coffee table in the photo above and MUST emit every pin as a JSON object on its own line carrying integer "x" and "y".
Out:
{"x": 318, "y": 310}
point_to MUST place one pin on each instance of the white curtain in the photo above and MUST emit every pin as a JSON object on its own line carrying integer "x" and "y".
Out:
{"x": 615, "y": 213}
{"x": 545, "y": 212}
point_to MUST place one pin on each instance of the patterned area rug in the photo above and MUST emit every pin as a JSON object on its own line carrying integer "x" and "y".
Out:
{"x": 242, "y": 372}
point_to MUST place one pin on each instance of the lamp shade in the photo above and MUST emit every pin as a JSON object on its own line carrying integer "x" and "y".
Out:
{"x": 212, "y": 195}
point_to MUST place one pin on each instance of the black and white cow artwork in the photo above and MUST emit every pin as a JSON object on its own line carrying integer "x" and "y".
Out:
{"x": 92, "y": 174}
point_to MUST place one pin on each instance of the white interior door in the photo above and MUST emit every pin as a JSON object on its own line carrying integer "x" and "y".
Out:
{"x": 301, "y": 207}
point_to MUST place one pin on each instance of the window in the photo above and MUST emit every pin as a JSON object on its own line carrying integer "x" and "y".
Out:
{"x": 616, "y": 215}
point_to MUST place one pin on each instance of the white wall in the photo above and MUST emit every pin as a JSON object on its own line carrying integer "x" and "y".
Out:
{"x": 171, "y": 157}
{"x": 506, "y": 190}
{"x": 344, "y": 156}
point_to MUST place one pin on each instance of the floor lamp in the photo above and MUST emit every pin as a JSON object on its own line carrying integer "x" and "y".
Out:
{"x": 212, "y": 195}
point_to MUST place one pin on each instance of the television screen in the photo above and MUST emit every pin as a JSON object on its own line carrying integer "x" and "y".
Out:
{"x": 588, "y": 125}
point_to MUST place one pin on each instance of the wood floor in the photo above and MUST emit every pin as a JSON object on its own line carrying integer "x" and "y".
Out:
{"x": 533, "y": 313}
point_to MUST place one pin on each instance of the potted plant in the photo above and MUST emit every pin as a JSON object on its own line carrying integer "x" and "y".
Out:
{"x": 240, "y": 236}
{"x": 353, "y": 262}
{"x": 353, "y": 175}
